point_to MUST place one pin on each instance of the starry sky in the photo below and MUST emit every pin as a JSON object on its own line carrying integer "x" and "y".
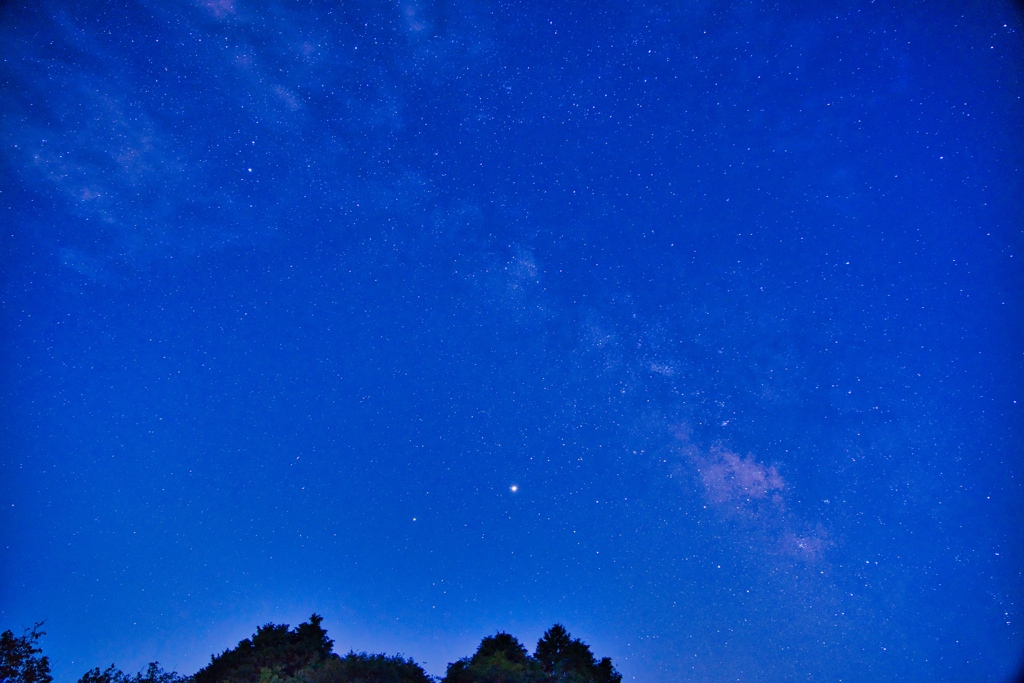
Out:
{"x": 693, "y": 325}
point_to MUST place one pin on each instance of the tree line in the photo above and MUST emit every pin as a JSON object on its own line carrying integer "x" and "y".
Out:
{"x": 277, "y": 653}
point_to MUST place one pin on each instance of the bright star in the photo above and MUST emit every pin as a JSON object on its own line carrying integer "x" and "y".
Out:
{"x": 513, "y": 488}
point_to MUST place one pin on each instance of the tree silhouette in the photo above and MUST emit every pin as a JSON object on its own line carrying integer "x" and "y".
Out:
{"x": 552, "y": 646}
{"x": 365, "y": 668}
{"x": 500, "y": 658}
{"x": 559, "y": 658}
{"x": 504, "y": 643}
{"x": 569, "y": 659}
{"x": 279, "y": 654}
{"x": 152, "y": 674}
{"x": 274, "y": 648}
{"x": 21, "y": 661}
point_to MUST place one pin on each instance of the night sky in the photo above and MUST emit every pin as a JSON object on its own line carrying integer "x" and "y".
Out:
{"x": 693, "y": 325}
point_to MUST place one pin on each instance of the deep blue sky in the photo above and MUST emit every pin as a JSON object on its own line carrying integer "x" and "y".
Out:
{"x": 294, "y": 293}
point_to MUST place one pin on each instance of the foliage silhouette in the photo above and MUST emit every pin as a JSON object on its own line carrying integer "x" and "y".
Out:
{"x": 152, "y": 674}
{"x": 279, "y": 654}
{"x": 274, "y": 648}
{"x": 559, "y": 659}
{"x": 365, "y": 668}
{"x": 565, "y": 658}
{"x": 503, "y": 643}
{"x": 500, "y": 658}
{"x": 21, "y": 660}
